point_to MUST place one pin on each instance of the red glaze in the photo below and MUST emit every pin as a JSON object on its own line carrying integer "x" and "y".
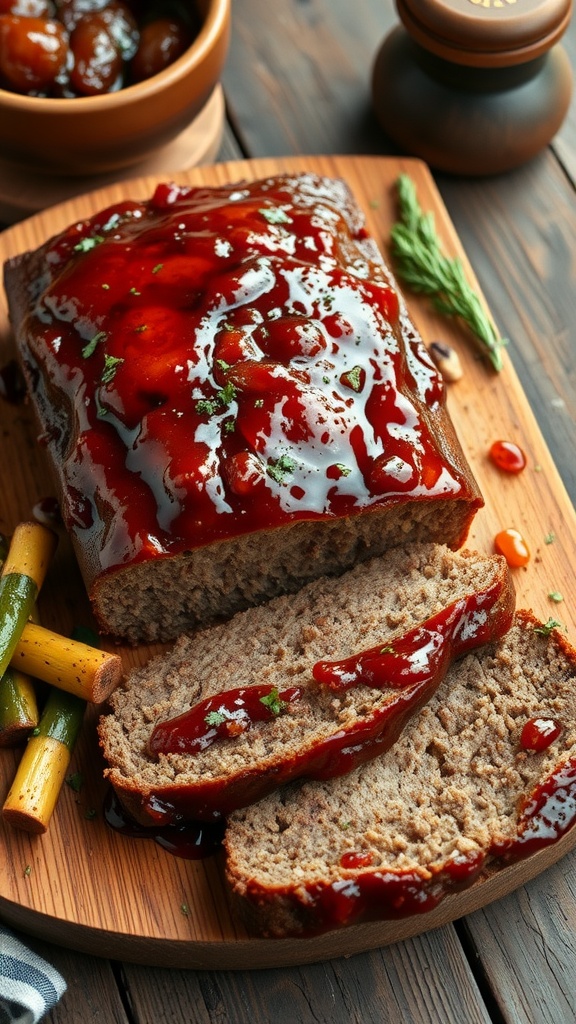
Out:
{"x": 508, "y": 456}
{"x": 512, "y": 545}
{"x": 539, "y": 733}
{"x": 192, "y": 840}
{"x": 220, "y": 717}
{"x": 231, "y": 363}
{"x": 423, "y": 655}
{"x": 368, "y": 895}
{"x": 467, "y": 623}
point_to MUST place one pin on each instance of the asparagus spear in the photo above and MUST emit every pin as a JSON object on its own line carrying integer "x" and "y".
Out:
{"x": 18, "y": 707}
{"x": 23, "y": 572}
{"x": 42, "y": 769}
{"x": 26, "y": 559}
{"x": 68, "y": 664}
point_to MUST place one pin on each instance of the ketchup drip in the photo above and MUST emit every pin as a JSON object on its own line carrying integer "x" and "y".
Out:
{"x": 547, "y": 814}
{"x": 223, "y": 716}
{"x": 421, "y": 655}
{"x": 190, "y": 840}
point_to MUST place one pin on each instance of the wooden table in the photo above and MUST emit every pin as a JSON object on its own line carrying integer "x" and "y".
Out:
{"x": 297, "y": 81}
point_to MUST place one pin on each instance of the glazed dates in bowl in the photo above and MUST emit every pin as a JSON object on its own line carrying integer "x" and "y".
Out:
{"x": 91, "y": 86}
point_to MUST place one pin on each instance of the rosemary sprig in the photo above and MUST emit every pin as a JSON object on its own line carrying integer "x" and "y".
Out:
{"x": 421, "y": 265}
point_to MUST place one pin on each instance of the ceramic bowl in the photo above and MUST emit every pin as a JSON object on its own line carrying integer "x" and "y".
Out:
{"x": 97, "y": 134}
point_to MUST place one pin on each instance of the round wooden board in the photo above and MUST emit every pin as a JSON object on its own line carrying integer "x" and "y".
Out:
{"x": 85, "y": 886}
{"x": 25, "y": 191}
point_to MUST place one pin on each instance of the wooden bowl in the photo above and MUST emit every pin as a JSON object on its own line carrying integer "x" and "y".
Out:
{"x": 97, "y": 134}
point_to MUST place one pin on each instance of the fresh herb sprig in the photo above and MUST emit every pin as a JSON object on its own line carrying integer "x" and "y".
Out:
{"x": 421, "y": 265}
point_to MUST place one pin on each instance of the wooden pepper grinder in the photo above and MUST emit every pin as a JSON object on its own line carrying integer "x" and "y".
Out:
{"x": 474, "y": 87}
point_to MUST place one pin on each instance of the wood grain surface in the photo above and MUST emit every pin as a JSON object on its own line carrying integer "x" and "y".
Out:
{"x": 83, "y": 885}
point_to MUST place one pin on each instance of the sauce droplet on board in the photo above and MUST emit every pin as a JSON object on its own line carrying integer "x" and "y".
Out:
{"x": 512, "y": 545}
{"x": 539, "y": 733}
{"x": 194, "y": 840}
{"x": 508, "y": 456}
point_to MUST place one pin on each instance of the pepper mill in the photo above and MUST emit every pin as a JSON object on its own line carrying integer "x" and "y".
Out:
{"x": 474, "y": 87}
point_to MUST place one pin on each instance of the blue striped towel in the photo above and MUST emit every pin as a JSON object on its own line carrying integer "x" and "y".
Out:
{"x": 29, "y": 987}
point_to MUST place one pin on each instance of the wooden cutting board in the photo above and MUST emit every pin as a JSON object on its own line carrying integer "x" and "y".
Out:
{"x": 87, "y": 887}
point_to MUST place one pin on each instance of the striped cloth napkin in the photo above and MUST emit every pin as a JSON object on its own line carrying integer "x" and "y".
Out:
{"x": 29, "y": 987}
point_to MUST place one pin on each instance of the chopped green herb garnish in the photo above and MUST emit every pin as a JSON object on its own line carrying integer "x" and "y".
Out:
{"x": 275, "y": 215}
{"x": 106, "y": 287}
{"x": 206, "y": 405}
{"x": 85, "y": 244}
{"x": 184, "y": 909}
{"x": 222, "y": 398}
{"x": 101, "y": 412}
{"x": 75, "y": 781}
{"x": 554, "y": 595}
{"x": 90, "y": 348}
{"x": 111, "y": 364}
{"x": 547, "y": 627}
{"x": 273, "y": 702}
{"x": 258, "y": 403}
{"x": 345, "y": 470}
{"x": 387, "y": 650}
{"x": 141, "y": 328}
{"x": 223, "y": 365}
{"x": 353, "y": 378}
{"x": 157, "y": 268}
{"x": 134, "y": 291}
{"x": 214, "y": 718}
{"x": 550, "y": 538}
{"x": 229, "y": 426}
{"x": 325, "y": 380}
{"x": 278, "y": 468}
{"x": 227, "y": 394}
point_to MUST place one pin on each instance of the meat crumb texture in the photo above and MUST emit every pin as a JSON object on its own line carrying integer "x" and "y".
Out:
{"x": 456, "y": 795}
{"x": 276, "y": 646}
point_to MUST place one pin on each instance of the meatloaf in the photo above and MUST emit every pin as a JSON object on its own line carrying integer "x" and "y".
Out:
{"x": 311, "y": 684}
{"x": 483, "y": 775}
{"x": 233, "y": 398}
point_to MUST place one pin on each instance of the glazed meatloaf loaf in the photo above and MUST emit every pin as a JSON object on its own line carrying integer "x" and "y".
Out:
{"x": 484, "y": 774}
{"x": 233, "y": 398}
{"x": 312, "y": 684}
